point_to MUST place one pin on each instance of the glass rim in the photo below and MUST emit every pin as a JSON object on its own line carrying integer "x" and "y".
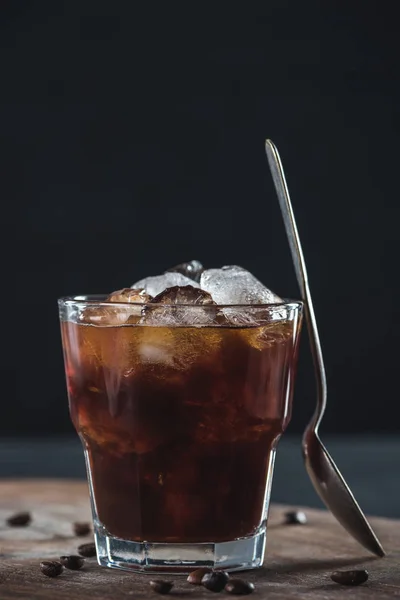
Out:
{"x": 99, "y": 300}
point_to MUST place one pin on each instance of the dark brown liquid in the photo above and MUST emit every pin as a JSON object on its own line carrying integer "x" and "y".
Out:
{"x": 179, "y": 424}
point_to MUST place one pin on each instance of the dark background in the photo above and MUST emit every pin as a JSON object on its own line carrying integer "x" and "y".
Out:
{"x": 132, "y": 137}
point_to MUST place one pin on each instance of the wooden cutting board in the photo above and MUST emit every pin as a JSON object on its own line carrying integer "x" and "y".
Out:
{"x": 298, "y": 564}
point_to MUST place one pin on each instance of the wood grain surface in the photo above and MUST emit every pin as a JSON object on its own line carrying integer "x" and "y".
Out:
{"x": 298, "y": 563}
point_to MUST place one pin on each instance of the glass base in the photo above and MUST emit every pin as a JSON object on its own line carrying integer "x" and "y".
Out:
{"x": 152, "y": 557}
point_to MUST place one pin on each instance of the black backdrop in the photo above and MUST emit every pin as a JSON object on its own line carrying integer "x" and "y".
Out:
{"x": 133, "y": 139}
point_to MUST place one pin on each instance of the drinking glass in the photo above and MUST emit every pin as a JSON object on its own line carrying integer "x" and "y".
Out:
{"x": 179, "y": 409}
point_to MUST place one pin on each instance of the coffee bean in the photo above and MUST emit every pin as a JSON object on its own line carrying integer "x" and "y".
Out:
{"x": 239, "y": 587}
{"x": 72, "y": 562}
{"x": 295, "y": 518}
{"x": 215, "y": 581}
{"x": 87, "y": 550}
{"x": 19, "y": 519}
{"x": 81, "y": 529}
{"x": 355, "y": 577}
{"x": 196, "y": 576}
{"x": 160, "y": 586}
{"x": 51, "y": 568}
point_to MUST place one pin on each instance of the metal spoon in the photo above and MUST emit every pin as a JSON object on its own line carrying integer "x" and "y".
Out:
{"x": 324, "y": 474}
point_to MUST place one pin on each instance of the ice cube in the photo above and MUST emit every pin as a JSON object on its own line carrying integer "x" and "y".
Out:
{"x": 104, "y": 316}
{"x": 235, "y": 285}
{"x": 133, "y": 297}
{"x": 192, "y": 269}
{"x": 158, "y": 283}
{"x": 187, "y": 294}
{"x": 244, "y": 317}
{"x": 130, "y": 295}
{"x": 173, "y": 349}
{"x": 184, "y": 307}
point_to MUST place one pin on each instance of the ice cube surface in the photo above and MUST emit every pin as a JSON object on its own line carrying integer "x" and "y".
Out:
{"x": 187, "y": 294}
{"x": 192, "y": 269}
{"x": 234, "y": 285}
{"x": 158, "y": 283}
{"x": 107, "y": 315}
{"x": 130, "y": 295}
{"x": 180, "y": 310}
{"x": 104, "y": 316}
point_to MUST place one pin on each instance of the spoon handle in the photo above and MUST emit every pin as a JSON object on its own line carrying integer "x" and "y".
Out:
{"x": 278, "y": 177}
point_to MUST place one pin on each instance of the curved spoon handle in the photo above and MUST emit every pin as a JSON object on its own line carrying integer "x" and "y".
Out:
{"x": 278, "y": 177}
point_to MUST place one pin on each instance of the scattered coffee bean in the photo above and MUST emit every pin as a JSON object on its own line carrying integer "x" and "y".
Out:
{"x": 72, "y": 562}
{"x": 160, "y": 586}
{"x": 87, "y": 550}
{"x": 19, "y": 519}
{"x": 51, "y": 568}
{"x": 295, "y": 518}
{"x": 215, "y": 581}
{"x": 355, "y": 577}
{"x": 239, "y": 587}
{"x": 82, "y": 529}
{"x": 196, "y": 576}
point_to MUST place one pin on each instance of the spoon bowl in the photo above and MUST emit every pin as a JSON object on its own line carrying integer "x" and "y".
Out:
{"x": 335, "y": 493}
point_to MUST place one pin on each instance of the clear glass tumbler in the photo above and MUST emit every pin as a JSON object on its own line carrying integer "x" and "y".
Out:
{"x": 179, "y": 410}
